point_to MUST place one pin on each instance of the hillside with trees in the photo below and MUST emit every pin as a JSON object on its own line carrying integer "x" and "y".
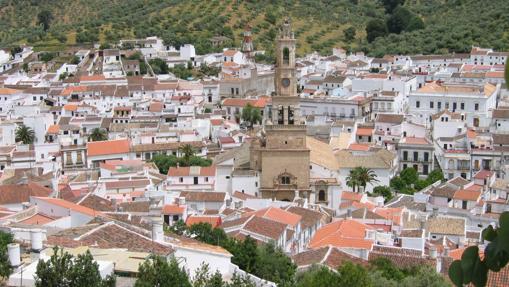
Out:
{"x": 373, "y": 26}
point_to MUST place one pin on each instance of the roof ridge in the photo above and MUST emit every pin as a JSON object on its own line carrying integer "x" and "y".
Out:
{"x": 93, "y": 230}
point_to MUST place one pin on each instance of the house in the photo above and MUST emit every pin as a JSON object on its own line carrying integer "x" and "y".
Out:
{"x": 417, "y": 153}
{"x": 15, "y": 196}
{"x": 348, "y": 235}
{"x": 474, "y": 101}
{"x": 258, "y": 228}
{"x": 191, "y": 177}
{"x": 100, "y": 151}
{"x": 382, "y": 162}
{"x": 70, "y": 214}
{"x": 199, "y": 201}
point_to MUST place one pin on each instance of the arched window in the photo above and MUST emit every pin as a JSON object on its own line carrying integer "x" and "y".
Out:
{"x": 321, "y": 195}
{"x": 286, "y": 55}
{"x": 285, "y": 180}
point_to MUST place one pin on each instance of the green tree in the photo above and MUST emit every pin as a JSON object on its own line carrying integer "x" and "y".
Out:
{"x": 47, "y": 56}
{"x": 387, "y": 269}
{"x": 353, "y": 275}
{"x": 274, "y": 265}
{"x": 471, "y": 268}
{"x": 98, "y": 134}
{"x": 409, "y": 175}
{"x": 5, "y": 266}
{"x": 384, "y": 191}
{"x": 25, "y": 134}
{"x": 349, "y": 34}
{"x": 435, "y": 176}
{"x": 44, "y": 18}
{"x": 186, "y": 152}
{"x": 352, "y": 180}
{"x": 157, "y": 271}
{"x": 245, "y": 254}
{"x": 15, "y": 50}
{"x": 62, "y": 269}
{"x": 506, "y": 71}
{"x": 317, "y": 277}
{"x": 178, "y": 227}
{"x": 75, "y": 60}
{"x": 159, "y": 66}
{"x": 375, "y": 28}
{"x": 251, "y": 115}
{"x": 390, "y": 5}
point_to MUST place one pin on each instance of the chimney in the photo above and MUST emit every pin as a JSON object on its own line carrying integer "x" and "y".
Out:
{"x": 157, "y": 230}
{"x": 433, "y": 252}
{"x": 36, "y": 240}
{"x": 14, "y": 254}
{"x": 435, "y": 211}
{"x": 349, "y": 214}
{"x": 296, "y": 194}
{"x": 446, "y": 251}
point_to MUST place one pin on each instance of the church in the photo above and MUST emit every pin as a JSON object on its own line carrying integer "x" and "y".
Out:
{"x": 281, "y": 155}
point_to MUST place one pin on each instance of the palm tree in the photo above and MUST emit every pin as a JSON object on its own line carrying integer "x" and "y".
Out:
{"x": 352, "y": 179}
{"x": 361, "y": 176}
{"x": 25, "y": 135}
{"x": 187, "y": 151}
{"x": 365, "y": 176}
{"x": 98, "y": 135}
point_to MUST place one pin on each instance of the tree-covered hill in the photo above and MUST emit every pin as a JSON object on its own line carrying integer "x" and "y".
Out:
{"x": 394, "y": 26}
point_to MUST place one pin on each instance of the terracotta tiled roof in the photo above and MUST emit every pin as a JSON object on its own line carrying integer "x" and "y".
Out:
{"x": 108, "y": 235}
{"x": 108, "y": 147}
{"x": 328, "y": 256}
{"x": 69, "y": 205}
{"x": 243, "y": 196}
{"x": 265, "y": 227}
{"x": 343, "y": 233}
{"x": 215, "y": 221}
{"x": 37, "y": 219}
{"x": 464, "y": 194}
{"x": 192, "y": 171}
{"x": 309, "y": 217}
{"x": 96, "y": 203}
{"x": 390, "y": 118}
{"x": 203, "y": 196}
{"x": 173, "y": 209}
{"x": 277, "y": 214}
{"x": 19, "y": 193}
{"x": 120, "y": 184}
{"x": 135, "y": 206}
{"x": 401, "y": 257}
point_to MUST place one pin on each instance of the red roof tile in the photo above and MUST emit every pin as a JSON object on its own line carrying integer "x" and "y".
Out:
{"x": 108, "y": 147}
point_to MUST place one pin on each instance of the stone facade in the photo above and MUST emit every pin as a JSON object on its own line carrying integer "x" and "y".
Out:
{"x": 283, "y": 155}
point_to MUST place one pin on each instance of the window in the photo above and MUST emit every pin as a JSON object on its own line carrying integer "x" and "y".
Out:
{"x": 321, "y": 195}
{"x": 431, "y": 105}
{"x": 416, "y": 156}
{"x": 418, "y": 104}
{"x": 476, "y": 106}
{"x": 462, "y": 106}
{"x": 195, "y": 180}
{"x": 439, "y": 105}
{"x": 285, "y": 180}
{"x": 405, "y": 155}
{"x": 206, "y": 179}
{"x": 454, "y": 106}
{"x": 425, "y": 169}
{"x": 286, "y": 56}
{"x": 181, "y": 179}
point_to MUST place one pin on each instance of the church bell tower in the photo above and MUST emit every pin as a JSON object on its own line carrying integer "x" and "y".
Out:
{"x": 284, "y": 155}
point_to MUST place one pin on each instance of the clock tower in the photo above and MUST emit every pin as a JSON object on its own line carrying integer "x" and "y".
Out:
{"x": 284, "y": 158}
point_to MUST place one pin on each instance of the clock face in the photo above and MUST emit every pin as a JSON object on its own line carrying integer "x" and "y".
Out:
{"x": 285, "y": 82}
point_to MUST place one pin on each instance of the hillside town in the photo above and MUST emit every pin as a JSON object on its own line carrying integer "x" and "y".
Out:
{"x": 121, "y": 151}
